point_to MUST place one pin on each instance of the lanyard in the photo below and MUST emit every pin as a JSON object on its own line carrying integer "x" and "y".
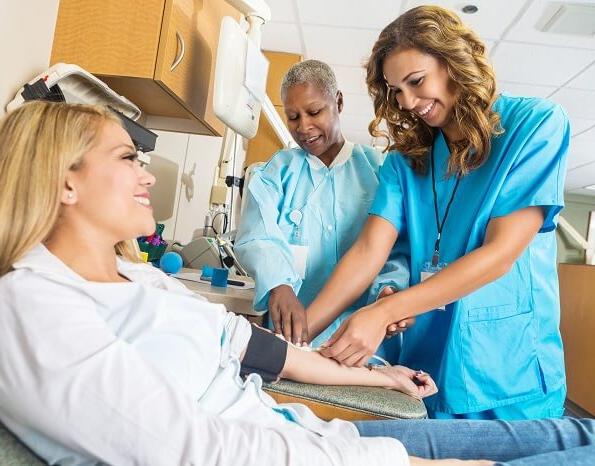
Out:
{"x": 440, "y": 225}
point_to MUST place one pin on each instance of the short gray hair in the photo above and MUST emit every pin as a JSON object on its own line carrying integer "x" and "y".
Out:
{"x": 312, "y": 72}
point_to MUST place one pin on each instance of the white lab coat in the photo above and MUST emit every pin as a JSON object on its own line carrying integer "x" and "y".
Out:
{"x": 146, "y": 373}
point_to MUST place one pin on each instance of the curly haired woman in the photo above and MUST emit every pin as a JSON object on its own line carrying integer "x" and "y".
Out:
{"x": 470, "y": 192}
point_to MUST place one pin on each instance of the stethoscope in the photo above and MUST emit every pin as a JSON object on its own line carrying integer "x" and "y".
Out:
{"x": 296, "y": 216}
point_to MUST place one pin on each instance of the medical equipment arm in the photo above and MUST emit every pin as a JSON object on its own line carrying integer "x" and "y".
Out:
{"x": 353, "y": 274}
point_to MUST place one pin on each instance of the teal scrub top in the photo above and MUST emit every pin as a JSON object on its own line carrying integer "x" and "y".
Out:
{"x": 500, "y": 344}
{"x": 334, "y": 203}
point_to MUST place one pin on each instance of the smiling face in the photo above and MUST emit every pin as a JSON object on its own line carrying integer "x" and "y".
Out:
{"x": 108, "y": 193}
{"x": 313, "y": 120}
{"x": 420, "y": 84}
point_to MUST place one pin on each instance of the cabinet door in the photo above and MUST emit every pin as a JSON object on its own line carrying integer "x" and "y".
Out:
{"x": 109, "y": 37}
{"x": 187, "y": 54}
{"x": 180, "y": 52}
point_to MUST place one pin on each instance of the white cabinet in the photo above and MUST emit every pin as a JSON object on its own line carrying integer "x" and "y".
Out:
{"x": 201, "y": 159}
{"x": 167, "y": 163}
{"x": 184, "y": 166}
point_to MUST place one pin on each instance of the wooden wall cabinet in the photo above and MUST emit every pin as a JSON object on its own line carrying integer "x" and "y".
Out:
{"x": 577, "y": 324}
{"x": 160, "y": 54}
{"x": 266, "y": 143}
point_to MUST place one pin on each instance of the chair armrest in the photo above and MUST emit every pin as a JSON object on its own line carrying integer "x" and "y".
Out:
{"x": 13, "y": 452}
{"x": 351, "y": 403}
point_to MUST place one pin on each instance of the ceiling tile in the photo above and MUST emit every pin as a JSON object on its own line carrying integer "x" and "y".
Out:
{"x": 351, "y": 79}
{"x": 539, "y": 64}
{"x": 582, "y": 149}
{"x": 281, "y": 37}
{"x": 525, "y": 30}
{"x": 579, "y": 125}
{"x": 578, "y": 104}
{"x": 580, "y": 177}
{"x": 282, "y": 10}
{"x": 585, "y": 80}
{"x": 490, "y": 21}
{"x": 349, "y": 13}
{"x": 339, "y": 46}
{"x": 525, "y": 90}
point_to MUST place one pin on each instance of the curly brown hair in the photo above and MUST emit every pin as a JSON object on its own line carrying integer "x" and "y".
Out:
{"x": 440, "y": 33}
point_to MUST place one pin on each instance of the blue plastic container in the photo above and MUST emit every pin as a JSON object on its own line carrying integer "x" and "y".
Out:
{"x": 220, "y": 277}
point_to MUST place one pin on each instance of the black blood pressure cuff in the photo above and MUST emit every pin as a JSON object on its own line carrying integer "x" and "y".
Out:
{"x": 265, "y": 355}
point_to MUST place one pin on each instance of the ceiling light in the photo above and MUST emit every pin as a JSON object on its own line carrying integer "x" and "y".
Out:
{"x": 470, "y": 9}
{"x": 576, "y": 18}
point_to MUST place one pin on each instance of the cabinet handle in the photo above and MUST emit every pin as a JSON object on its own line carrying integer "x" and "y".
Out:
{"x": 181, "y": 48}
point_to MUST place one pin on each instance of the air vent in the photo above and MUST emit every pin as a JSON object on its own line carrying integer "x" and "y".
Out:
{"x": 568, "y": 18}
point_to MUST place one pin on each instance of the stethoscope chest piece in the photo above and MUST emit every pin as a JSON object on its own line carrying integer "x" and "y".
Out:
{"x": 295, "y": 216}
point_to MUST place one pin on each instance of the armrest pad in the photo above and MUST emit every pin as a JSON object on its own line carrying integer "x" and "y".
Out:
{"x": 15, "y": 453}
{"x": 352, "y": 402}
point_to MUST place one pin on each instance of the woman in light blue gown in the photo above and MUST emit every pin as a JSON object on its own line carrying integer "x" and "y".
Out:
{"x": 306, "y": 206}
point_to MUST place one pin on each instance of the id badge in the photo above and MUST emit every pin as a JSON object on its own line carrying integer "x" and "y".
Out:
{"x": 300, "y": 258}
{"x": 428, "y": 270}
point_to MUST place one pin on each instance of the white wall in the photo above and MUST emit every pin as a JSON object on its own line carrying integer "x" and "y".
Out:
{"x": 26, "y": 36}
{"x": 175, "y": 154}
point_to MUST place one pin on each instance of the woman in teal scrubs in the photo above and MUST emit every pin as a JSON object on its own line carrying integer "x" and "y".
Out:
{"x": 470, "y": 192}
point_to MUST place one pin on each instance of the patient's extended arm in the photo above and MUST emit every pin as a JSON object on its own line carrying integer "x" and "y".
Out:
{"x": 312, "y": 367}
{"x": 272, "y": 357}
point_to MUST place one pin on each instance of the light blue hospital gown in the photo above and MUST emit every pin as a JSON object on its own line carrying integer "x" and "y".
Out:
{"x": 334, "y": 202}
{"x": 501, "y": 344}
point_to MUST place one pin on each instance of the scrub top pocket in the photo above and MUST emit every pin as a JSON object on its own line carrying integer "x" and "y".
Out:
{"x": 499, "y": 356}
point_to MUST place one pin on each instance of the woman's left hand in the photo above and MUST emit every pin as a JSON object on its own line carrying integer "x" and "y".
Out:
{"x": 357, "y": 339}
{"x": 417, "y": 384}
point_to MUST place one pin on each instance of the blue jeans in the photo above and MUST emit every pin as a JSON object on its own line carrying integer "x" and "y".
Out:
{"x": 546, "y": 442}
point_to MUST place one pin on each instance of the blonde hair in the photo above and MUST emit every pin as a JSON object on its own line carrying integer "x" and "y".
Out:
{"x": 438, "y": 32}
{"x": 39, "y": 143}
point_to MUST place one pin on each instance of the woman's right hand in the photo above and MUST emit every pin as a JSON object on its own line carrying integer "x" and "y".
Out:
{"x": 288, "y": 315}
{"x": 396, "y": 327}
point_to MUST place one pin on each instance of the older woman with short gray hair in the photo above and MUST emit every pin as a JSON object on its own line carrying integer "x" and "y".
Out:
{"x": 306, "y": 207}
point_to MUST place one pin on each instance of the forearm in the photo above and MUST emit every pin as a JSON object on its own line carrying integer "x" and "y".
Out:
{"x": 312, "y": 367}
{"x": 460, "y": 278}
{"x": 505, "y": 240}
